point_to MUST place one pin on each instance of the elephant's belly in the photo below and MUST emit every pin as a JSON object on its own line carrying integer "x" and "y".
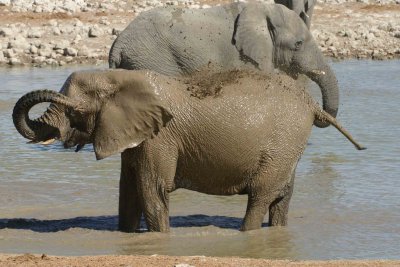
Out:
{"x": 219, "y": 176}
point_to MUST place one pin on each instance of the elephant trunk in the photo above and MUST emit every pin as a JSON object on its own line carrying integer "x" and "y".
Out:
{"x": 326, "y": 80}
{"x": 312, "y": 63}
{"x": 43, "y": 127}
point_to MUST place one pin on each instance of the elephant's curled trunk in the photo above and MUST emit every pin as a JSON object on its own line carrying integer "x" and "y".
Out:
{"x": 40, "y": 128}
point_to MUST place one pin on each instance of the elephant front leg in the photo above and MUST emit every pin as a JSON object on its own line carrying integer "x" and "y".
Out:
{"x": 156, "y": 209}
{"x": 129, "y": 211}
{"x": 279, "y": 208}
{"x": 156, "y": 167}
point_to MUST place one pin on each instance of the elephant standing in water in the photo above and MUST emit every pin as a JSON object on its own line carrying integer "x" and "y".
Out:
{"x": 246, "y": 140}
{"x": 177, "y": 41}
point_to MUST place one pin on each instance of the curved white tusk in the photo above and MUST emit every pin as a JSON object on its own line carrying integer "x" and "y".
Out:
{"x": 47, "y": 142}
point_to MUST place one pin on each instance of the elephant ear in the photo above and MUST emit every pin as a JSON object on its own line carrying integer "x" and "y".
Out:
{"x": 252, "y": 36}
{"x": 131, "y": 115}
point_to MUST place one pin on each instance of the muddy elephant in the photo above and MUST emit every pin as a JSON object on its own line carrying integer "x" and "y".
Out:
{"x": 247, "y": 139}
{"x": 303, "y": 8}
{"x": 177, "y": 41}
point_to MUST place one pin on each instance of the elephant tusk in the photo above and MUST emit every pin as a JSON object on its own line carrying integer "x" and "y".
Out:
{"x": 47, "y": 142}
{"x": 318, "y": 72}
{"x": 305, "y": 14}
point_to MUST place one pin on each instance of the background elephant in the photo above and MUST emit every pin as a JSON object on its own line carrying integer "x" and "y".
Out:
{"x": 175, "y": 41}
{"x": 303, "y": 8}
{"x": 246, "y": 141}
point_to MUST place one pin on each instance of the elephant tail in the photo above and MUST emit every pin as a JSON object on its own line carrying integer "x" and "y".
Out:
{"x": 326, "y": 117}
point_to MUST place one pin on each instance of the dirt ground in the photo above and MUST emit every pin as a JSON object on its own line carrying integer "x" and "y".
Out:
{"x": 182, "y": 261}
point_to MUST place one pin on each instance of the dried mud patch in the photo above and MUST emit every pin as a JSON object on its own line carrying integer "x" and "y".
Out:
{"x": 209, "y": 83}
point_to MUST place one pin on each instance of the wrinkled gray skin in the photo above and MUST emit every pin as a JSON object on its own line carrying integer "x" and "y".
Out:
{"x": 303, "y": 8}
{"x": 247, "y": 141}
{"x": 175, "y": 41}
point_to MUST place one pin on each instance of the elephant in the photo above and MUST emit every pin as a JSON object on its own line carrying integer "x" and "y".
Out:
{"x": 302, "y": 8}
{"x": 265, "y": 37}
{"x": 245, "y": 139}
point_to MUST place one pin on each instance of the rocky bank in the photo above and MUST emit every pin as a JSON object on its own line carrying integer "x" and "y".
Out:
{"x": 59, "y": 32}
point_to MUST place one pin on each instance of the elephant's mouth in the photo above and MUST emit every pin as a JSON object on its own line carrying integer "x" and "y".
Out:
{"x": 76, "y": 138}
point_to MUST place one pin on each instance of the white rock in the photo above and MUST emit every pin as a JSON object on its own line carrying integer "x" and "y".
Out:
{"x": 2, "y": 58}
{"x": 40, "y": 2}
{"x": 67, "y": 29}
{"x": 46, "y": 46}
{"x": 77, "y": 39}
{"x": 5, "y": 2}
{"x": 4, "y": 32}
{"x": 18, "y": 42}
{"x": 33, "y": 49}
{"x": 15, "y": 61}
{"x": 104, "y": 21}
{"x": 60, "y": 51}
{"x": 44, "y": 53}
{"x": 95, "y": 31}
{"x": 38, "y": 9}
{"x": 83, "y": 52}
{"x": 70, "y": 52}
{"x": 78, "y": 23}
{"x": 54, "y": 55}
{"x": 56, "y": 31}
{"x": 51, "y": 61}
{"x": 51, "y": 22}
{"x": 62, "y": 44}
{"x": 34, "y": 33}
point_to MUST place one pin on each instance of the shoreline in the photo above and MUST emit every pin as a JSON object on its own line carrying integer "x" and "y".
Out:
{"x": 177, "y": 261}
{"x": 36, "y": 36}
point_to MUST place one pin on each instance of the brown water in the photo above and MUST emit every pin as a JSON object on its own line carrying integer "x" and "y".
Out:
{"x": 346, "y": 203}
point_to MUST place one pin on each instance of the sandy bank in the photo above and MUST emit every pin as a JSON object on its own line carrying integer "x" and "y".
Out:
{"x": 183, "y": 261}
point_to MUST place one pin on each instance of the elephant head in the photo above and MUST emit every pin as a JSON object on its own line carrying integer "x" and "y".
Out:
{"x": 112, "y": 110}
{"x": 303, "y": 8}
{"x": 272, "y": 36}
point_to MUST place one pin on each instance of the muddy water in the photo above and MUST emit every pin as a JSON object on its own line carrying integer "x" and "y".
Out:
{"x": 346, "y": 203}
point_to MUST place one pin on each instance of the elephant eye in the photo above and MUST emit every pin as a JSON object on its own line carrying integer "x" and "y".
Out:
{"x": 298, "y": 45}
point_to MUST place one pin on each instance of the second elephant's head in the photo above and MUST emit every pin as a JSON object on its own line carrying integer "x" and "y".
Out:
{"x": 272, "y": 36}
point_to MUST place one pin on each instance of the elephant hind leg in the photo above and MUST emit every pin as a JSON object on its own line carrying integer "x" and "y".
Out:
{"x": 129, "y": 210}
{"x": 271, "y": 190}
{"x": 279, "y": 208}
{"x": 256, "y": 209}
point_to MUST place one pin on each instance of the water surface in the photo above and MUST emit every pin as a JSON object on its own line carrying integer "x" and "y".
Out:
{"x": 346, "y": 203}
